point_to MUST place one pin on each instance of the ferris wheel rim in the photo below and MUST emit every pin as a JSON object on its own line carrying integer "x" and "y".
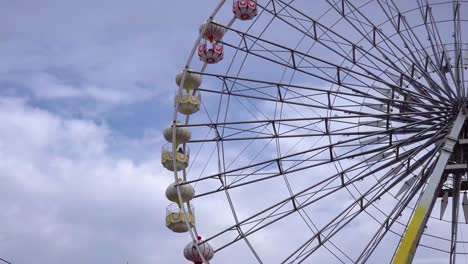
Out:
{"x": 192, "y": 231}
{"x": 180, "y": 88}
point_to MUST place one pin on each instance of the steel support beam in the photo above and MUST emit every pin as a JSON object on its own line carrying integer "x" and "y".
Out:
{"x": 455, "y": 204}
{"x": 408, "y": 247}
{"x": 459, "y": 76}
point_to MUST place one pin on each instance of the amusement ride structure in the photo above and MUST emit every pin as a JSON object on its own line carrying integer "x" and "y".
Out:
{"x": 330, "y": 131}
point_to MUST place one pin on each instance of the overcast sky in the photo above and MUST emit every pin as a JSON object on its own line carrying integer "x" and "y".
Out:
{"x": 86, "y": 88}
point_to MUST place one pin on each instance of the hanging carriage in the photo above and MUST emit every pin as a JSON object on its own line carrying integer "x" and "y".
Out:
{"x": 182, "y": 157}
{"x": 244, "y": 9}
{"x": 177, "y": 221}
{"x": 191, "y": 252}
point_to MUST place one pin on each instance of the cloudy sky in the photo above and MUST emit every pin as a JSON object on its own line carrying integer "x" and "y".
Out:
{"x": 86, "y": 88}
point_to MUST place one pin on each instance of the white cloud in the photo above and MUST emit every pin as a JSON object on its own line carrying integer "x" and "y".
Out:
{"x": 72, "y": 189}
{"x": 107, "y": 53}
{"x": 67, "y": 199}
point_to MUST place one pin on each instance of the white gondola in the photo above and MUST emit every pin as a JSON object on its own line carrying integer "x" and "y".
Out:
{"x": 244, "y": 9}
{"x": 177, "y": 221}
{"x": 189, "y": 103}
{"x": 214, "y": 31}
{"x": 192, "y": 80}
{"x": 211, "y": 53}
{"x": 387, "y": 99}
{"x": 191, "y": 252}
{"x": 187, "y": 192}
{"x": 182, "y": 157}
{"x": 183, "y": 134}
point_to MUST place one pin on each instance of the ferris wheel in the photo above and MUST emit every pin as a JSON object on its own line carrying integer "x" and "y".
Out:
{"x": 329, "y": 131}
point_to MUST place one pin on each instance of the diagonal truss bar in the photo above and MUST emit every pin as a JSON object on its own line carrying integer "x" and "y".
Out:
{"x": 343, "y": 142}
{"x": 401, "y": 27}
{"x": 396, "y": 212}
{"x": 378, "y": 189}
{"x": 392, "y": 46}
{"x": 408, "y": 247}
{"x": 308, "y": 194}
{"x": 383, "y": 94}
{"x": 348, "y": 214}
{"x": 303, "y": 252}
{"x": 421, "y": 89}
{"x": 300, "y": 131}
{"x": 340, "y": 70}
{"x": 412, "y": 37}
{"x": 436, "y": 42}
{"x": 438, "y": 47}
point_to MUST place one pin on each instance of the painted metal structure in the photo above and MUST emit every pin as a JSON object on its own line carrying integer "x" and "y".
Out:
{"x": 368, "y": 102}
{"x": 423, "y": 209}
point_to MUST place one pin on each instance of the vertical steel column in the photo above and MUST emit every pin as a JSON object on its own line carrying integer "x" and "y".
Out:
{"x": 455, "y": 204}
{"x": 411, "y": 238}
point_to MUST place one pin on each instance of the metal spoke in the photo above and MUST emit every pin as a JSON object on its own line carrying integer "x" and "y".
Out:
{"x": 335, "y": 101}
{"x": 282, "y": 204}
{"x": 365, "y": 54}
{"x": 331, "y": 146}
